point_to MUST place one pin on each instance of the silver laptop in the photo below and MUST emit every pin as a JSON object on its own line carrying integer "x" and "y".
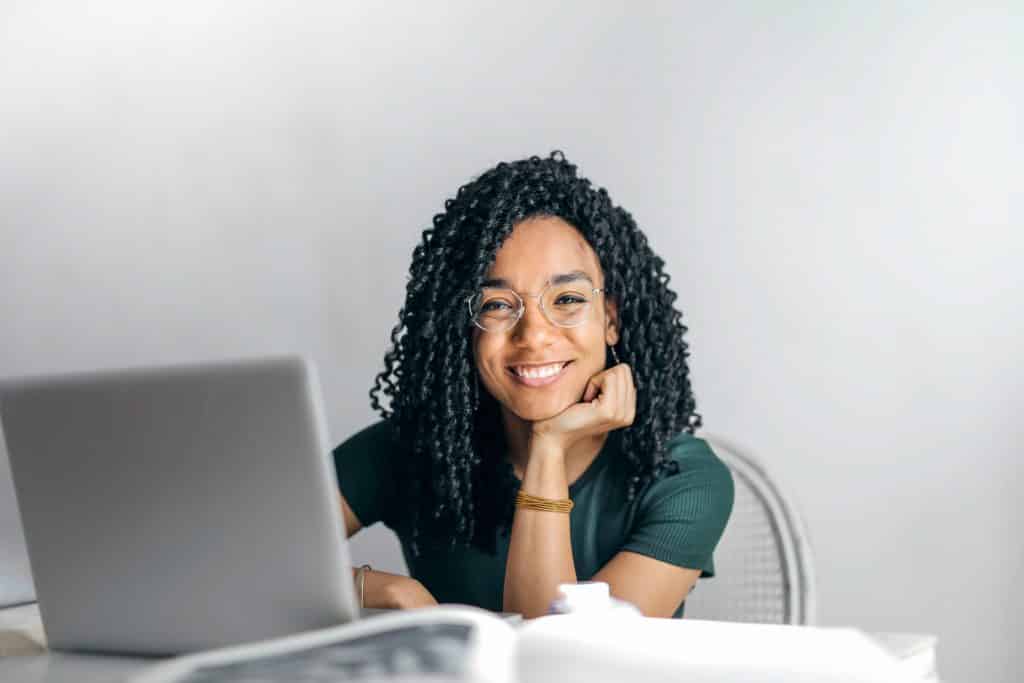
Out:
{"x": 177, "y": 509}
{"x": 15, "y": 577}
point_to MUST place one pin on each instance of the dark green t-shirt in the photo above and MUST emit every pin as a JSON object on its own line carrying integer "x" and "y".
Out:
{"x": 677, "y": 519}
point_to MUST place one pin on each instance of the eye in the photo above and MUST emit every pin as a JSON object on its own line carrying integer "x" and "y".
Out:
{"x": 569, "y": 299}
{"x": 495, "y": 305}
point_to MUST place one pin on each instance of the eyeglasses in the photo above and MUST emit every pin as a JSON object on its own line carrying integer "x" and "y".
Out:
{"x": 498, "y": 309}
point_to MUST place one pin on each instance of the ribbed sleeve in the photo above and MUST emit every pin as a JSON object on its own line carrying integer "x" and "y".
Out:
{"x": 680, "y": 518}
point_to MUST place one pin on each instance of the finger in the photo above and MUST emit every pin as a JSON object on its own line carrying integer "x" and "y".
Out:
{"x": 595, "y": 386}
{"x": 625, "y": 396}
{"x": 628, "y": 395}
{"x": 610, "y": 396}
{"x": 633, "y": 399}
{"x": 627, "y": 372}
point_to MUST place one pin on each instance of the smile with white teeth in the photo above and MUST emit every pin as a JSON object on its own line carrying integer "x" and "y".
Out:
{"x": 539, "y": 371}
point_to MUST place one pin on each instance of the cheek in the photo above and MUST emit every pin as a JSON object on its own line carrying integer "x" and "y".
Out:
{"x": 486, "y": 355}
{"x": 591, "y": 342}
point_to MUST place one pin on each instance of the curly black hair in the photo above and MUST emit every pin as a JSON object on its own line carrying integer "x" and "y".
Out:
{"x": 458, "y": 486}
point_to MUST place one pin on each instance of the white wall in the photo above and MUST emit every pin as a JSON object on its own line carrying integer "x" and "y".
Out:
{"x": 832, "y": 188}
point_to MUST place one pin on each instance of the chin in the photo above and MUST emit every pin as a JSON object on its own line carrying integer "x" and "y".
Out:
{"x": 540, "y": 410}
{"x": 537, "y": 416}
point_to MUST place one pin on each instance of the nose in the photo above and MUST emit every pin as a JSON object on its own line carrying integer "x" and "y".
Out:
{"x": 533, "y": 328}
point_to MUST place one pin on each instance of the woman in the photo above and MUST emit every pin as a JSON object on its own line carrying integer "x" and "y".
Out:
{"x": 538, "y": 365}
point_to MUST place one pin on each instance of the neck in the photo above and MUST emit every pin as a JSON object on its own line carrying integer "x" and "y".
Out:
{"x": 577, "y": 458}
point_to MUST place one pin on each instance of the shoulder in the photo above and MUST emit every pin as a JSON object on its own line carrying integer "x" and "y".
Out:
{"x": 370, "y": 452}
{"x": 375, "y": 438}
{"x": 694, "y": 454}
{"x": 703, "y": 483}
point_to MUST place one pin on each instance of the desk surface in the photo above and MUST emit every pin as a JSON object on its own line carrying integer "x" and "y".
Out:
{"x": 25, "y": 659}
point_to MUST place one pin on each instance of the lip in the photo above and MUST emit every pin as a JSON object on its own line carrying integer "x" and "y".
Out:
{"x": 538, "y": 381}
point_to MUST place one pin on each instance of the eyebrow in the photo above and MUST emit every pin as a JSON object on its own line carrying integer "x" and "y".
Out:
{"x": 560, "y": 279}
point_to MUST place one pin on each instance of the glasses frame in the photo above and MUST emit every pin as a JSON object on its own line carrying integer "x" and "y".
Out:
{"x": 521, "y": 310}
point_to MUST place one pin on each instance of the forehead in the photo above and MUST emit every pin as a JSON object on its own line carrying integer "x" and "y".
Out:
{"x": 539, "y": 248}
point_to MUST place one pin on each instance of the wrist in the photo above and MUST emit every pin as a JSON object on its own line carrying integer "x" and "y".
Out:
{"x": 548, "y": 446}
{"x": 406, "y": 593}
{"x": 545, "y": 473}
{"x": 359, "y": 576}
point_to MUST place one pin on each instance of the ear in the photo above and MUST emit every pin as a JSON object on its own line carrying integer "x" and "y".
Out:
{"x": 611, "y": 320}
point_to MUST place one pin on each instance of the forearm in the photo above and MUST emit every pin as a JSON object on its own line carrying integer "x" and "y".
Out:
{"x": 540, "y": 548}
{"x": 393, "y": 591}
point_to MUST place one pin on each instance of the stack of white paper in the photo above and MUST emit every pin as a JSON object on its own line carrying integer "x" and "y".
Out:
{"x": 592, "y": 649}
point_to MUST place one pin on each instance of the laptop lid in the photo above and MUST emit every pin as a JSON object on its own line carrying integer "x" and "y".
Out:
{"x": 176, "y": 509}
{"x": 15, "y": 575}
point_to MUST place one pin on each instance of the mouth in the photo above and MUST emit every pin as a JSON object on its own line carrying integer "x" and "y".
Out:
{"x": 538, "y": 375}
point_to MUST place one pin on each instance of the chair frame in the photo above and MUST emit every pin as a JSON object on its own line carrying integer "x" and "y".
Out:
{"x": 797, "y": 558}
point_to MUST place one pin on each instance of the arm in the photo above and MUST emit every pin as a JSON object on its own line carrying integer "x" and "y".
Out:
{"x": 365, "y": 480}
{"x": 540, "y": 546}
{"x": 381, "y": 589}
{"x": 540, "y": 553}
{"x": 679, "y": 523}
{"x": 657, "y": 588}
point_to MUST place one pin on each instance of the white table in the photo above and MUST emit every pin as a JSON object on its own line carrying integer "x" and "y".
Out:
{"x": 25, "y": 659}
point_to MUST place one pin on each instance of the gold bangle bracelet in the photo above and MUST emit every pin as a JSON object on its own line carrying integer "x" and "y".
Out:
{"x": 525, "y": 500}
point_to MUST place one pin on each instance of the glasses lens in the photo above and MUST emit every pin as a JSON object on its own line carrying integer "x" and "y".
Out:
{"x": 495, "y": 309}
{"x": 567, "y": 305}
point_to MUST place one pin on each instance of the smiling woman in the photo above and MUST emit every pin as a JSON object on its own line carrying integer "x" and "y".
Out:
{"x": 538, "y": 367}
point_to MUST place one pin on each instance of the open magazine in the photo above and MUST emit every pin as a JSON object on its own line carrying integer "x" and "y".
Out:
{"x": 454, "y": 643}
{"x": 438, "y": 644}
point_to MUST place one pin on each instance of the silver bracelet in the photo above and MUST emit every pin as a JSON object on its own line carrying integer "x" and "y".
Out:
{"x": 361, "y": 581}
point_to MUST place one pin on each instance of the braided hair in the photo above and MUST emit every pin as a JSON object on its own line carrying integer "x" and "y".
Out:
{"x": 453, "y": 475}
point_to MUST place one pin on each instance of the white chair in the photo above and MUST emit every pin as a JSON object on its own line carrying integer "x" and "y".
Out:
{"x": 763, "y": 566}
